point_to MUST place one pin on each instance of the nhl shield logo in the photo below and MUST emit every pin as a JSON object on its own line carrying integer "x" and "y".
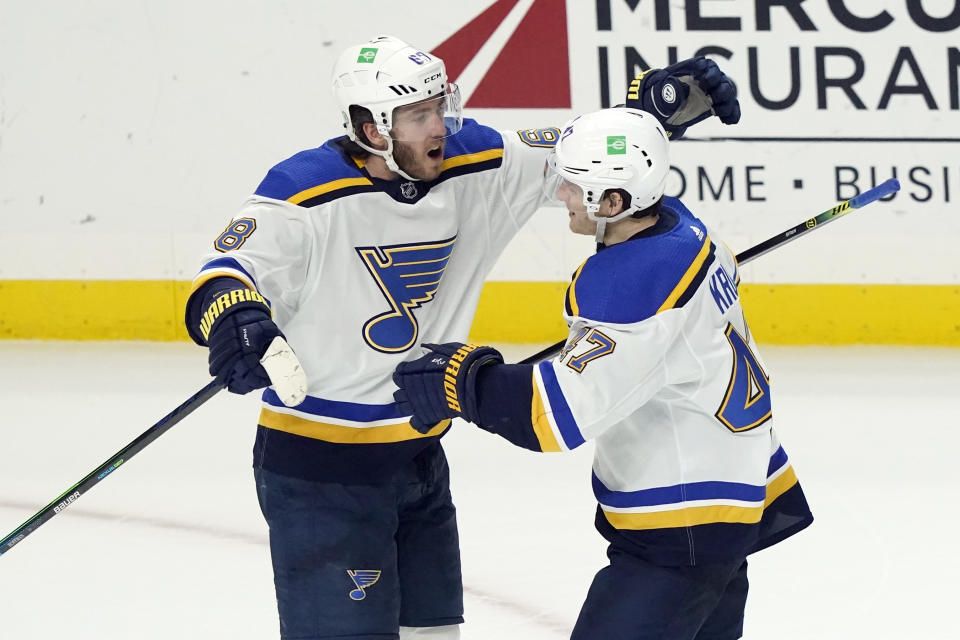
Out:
{"x": 408, "y": 190}
{"x": 363, "y": 578}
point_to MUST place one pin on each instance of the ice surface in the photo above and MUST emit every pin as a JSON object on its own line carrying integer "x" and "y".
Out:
{"x": 172, "y": 545}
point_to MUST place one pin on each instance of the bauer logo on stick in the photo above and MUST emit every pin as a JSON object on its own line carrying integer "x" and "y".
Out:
{"x": 66, "y": 502}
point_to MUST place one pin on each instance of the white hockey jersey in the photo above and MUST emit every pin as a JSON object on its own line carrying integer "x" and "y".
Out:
{"x": 661, "y": 372}
{"x": 359, "y": 272}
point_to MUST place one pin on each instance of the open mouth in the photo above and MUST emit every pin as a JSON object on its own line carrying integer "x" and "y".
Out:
{"x": 436, "y": 153}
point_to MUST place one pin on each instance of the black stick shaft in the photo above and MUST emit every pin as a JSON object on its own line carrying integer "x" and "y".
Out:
{"x": 69, "y": 496}
{"x": 865, "y": 198}
{"x": 805, "y": 227}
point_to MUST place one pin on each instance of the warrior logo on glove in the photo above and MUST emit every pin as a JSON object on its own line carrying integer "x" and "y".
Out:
{"x": 450, "y": 375}
{"x": 441, "y": 384}
{"x": 224, "y": 302}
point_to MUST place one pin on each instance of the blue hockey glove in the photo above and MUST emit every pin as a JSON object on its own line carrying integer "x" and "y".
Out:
{"x": 442, "y": 384}
{"x": 238, "y": 329}
{"x": 684, "y": 94}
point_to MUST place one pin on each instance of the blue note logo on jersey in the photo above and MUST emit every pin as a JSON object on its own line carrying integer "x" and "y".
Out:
{"x": 363, "y": 578}
{"x": 408, "y": 276}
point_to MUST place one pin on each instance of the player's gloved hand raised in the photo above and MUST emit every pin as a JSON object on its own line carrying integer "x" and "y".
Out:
{"x": 442, "y": 383}
{"x": 684, "y": 94}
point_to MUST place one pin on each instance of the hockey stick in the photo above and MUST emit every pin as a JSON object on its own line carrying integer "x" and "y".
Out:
{"x": 286, "y": 377}
{"x": 856, "y": 202}
{"x": 68, "y": 497}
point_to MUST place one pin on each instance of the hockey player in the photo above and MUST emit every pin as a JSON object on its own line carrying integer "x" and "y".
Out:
{"x": 661, "y": 372}
{"x": 356, "y": 252}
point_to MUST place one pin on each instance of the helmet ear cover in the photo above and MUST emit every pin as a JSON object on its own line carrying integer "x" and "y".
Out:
{"x": 622, "y": 194}
{"x": 358, "y": 117}
{"x": 627, "y": 199}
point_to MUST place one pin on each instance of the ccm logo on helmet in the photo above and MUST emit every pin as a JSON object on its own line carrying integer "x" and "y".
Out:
{"x": 430, "y": 79}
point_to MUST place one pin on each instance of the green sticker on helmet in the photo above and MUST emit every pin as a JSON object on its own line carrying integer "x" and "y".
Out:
{"x": 616, "y": 145}
{"x": 367, "y": 54}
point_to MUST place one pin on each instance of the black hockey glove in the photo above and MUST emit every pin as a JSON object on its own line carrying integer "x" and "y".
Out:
{"x": 442, "y": 384}
{"x": 238, "y": 329}
{"x": 685, "y": 93}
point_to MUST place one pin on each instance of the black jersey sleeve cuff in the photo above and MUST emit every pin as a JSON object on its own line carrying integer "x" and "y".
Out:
{"x": 197, "y": 304}
{"x": 505, "y": 393}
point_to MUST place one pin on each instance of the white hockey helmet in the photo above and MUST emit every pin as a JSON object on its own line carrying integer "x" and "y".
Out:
{"x": 616, "y": 148}
{"x": 386, "y": 73}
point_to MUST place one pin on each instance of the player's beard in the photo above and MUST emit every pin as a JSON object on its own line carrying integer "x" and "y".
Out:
{"x": 406, "y": 158}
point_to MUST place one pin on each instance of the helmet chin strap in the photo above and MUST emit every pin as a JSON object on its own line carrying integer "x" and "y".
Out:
{"x": 387, "y": 155}
{"x": 601, "y": 230}
{"x": 602, "y": 221}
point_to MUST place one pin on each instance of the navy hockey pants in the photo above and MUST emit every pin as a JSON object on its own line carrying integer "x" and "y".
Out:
{"x": 632, "y": 599}
{"x": 358, "y": 561}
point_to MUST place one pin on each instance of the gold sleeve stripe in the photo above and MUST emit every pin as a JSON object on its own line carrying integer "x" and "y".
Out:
{"x": 688, "y": 517}
{"x": 344, "y": 435}
{"x": 573, "y": 290}
{"x": 687, "y": 277}
{"x": 540, "y": 421}
{"x": 471, "y": 158}
{"x": 210, "y": 275}
{"x": 327, "y": 187}
{"x": 780, "y": 485}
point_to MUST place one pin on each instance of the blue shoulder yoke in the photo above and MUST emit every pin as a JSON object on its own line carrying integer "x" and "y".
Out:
{"x": 658, "y": 269}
